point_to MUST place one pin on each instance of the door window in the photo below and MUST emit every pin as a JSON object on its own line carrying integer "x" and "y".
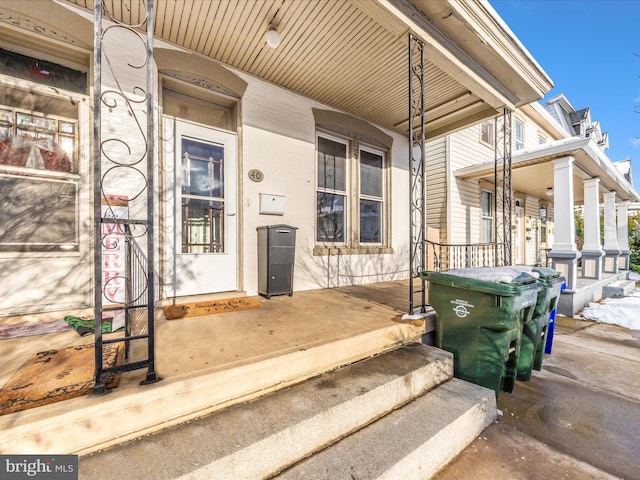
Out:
{"x": 203, "y": 206}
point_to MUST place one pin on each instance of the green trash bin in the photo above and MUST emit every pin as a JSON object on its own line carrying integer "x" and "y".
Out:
{"x": 480, "y": 314}
{"x": 534, "y": 331}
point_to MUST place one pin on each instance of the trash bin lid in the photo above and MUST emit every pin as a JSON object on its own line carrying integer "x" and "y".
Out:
{"x": 547, "y": 272}
{"x": 503, "y": 281}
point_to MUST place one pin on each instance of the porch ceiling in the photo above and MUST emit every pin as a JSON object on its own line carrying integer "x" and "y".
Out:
{"x": 532, "y": 170}
{"x": 352, "y": 54}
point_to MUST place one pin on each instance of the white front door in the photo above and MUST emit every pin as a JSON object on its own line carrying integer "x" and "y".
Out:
{"x": 200, "y": 224}
{"x": 520, "y": 236}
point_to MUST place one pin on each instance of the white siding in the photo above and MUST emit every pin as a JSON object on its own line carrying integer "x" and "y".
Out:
{"x": 436, "y": 172}
{"x": 465, "y": 209}
{"x": 278, "y": 137}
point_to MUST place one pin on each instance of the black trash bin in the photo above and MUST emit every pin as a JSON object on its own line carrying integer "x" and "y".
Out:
{"x": 480, "y": 314}
{"x": 276, "y": 256}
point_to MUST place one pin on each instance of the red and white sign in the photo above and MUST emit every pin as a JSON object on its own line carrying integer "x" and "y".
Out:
{"x": 114, "y": 253}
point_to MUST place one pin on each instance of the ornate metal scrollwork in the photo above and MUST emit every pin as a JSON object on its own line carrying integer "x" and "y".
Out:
{"x": 417, "y": 179}
{"x": 502, "y": 184}
{"x": 124, "y": 137}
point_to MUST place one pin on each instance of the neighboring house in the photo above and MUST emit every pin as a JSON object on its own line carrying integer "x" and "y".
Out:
{"x": 558, "y": 163}
{"x": 309, "y": 130}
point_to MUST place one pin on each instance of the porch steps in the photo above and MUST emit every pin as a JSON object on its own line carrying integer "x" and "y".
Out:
{"x": 413, "y": 442}
{"x": 618, "y": 289}
{"x": 397, "y": 412}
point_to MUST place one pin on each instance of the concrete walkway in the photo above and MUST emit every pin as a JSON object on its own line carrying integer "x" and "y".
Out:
{"x": 579, "y": 418}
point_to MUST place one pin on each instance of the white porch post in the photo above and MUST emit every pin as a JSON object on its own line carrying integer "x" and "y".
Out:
{"x": 564, "y": 253}
{"x": 592, "y": 252}
{"x": 623, "y": 236}
{"x": 611, "y": 248}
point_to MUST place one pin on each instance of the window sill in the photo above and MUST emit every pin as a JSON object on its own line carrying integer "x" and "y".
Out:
{"x": 343, "y": 250}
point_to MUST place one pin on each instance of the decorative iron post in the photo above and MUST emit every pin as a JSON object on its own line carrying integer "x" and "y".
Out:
{"x": 123, "y": 154}
{"x": 502, "y": 186}
{"x": 417, "y": 179}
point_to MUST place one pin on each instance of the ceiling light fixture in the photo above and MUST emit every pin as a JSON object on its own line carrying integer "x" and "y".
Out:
{"x": 272, "y": 37}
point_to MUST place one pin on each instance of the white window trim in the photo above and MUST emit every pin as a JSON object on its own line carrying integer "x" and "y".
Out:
{"x": 515, "y": 131}
{"x": 347, "y": 193}
{"x": 382, "y": 199}
{"x": 493, "y": 133}
{"x": 491, "y": 216}
{"x": 82, "y": 174}
{"x": 352, "y": 244}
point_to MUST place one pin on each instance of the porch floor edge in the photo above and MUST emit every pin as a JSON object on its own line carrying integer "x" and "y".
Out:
{"x": 87, "y": 424}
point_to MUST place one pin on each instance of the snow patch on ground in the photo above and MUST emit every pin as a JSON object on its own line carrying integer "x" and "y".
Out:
{"x": 617, "y": 311}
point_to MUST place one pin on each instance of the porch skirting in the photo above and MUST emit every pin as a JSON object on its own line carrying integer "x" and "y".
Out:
{"x": 587, "y": 290}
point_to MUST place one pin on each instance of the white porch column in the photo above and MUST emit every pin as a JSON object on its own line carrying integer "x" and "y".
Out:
{"x": 623, "y": 236}
{"x": 611, "y": 249}
{"x": 564, "y": 253}
{"x": 592, "y": 252}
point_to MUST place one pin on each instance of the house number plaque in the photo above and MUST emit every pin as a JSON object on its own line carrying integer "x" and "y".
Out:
{"x": 256, "y": 175}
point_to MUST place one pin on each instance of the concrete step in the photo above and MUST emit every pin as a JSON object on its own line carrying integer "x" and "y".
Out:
{"x": 618, "y": 289}
{"x": 86, "y": 424}
{"x": 413, "y": 442}
{"x": 260, "y": 438}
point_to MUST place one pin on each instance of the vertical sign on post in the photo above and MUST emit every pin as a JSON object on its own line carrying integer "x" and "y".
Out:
{"x": 114, "y": 253}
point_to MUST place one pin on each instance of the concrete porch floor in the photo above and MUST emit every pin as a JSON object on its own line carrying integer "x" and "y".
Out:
{"x": 209, "y": 362}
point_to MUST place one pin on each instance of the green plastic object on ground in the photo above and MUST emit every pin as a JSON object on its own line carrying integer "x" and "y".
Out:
{"x": 535, "y": 330}
{"x": 480, "y": 321}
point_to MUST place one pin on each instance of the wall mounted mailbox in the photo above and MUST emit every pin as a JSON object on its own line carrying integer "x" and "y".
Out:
{"x": 271, "y": 204}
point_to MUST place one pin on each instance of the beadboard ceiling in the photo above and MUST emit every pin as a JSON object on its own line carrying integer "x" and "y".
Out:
{"x": 348, "y": 54}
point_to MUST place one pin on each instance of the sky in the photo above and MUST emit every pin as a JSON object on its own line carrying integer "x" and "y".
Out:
{"x": 587, "y": 48}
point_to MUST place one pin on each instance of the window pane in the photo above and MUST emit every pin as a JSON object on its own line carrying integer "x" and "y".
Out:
{"x": 370, "y": 221}
{"x": 330, "y": 218}
{"x": 202, "y": 169}
{"x": 37, "y": 215}
{"x": 40, "y": 71}
{"x": 487, "y": 206}
{"x": 519, "y": 135}
{"x": 487, "y": 230}
{"x": 487, "y": 132}
{"x": 370, "y": 174}
{"x": 332, "y": 165}
{"x": 202, "y": 227}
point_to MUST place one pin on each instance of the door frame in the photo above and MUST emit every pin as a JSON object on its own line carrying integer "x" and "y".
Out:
{"x": 173, "y": 259}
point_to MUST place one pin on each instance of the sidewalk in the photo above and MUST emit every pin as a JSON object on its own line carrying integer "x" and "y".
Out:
{"x": 578, "y": 418}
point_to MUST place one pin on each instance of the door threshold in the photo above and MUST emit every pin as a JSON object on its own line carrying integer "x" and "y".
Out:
{"x": 205, "y": 297}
